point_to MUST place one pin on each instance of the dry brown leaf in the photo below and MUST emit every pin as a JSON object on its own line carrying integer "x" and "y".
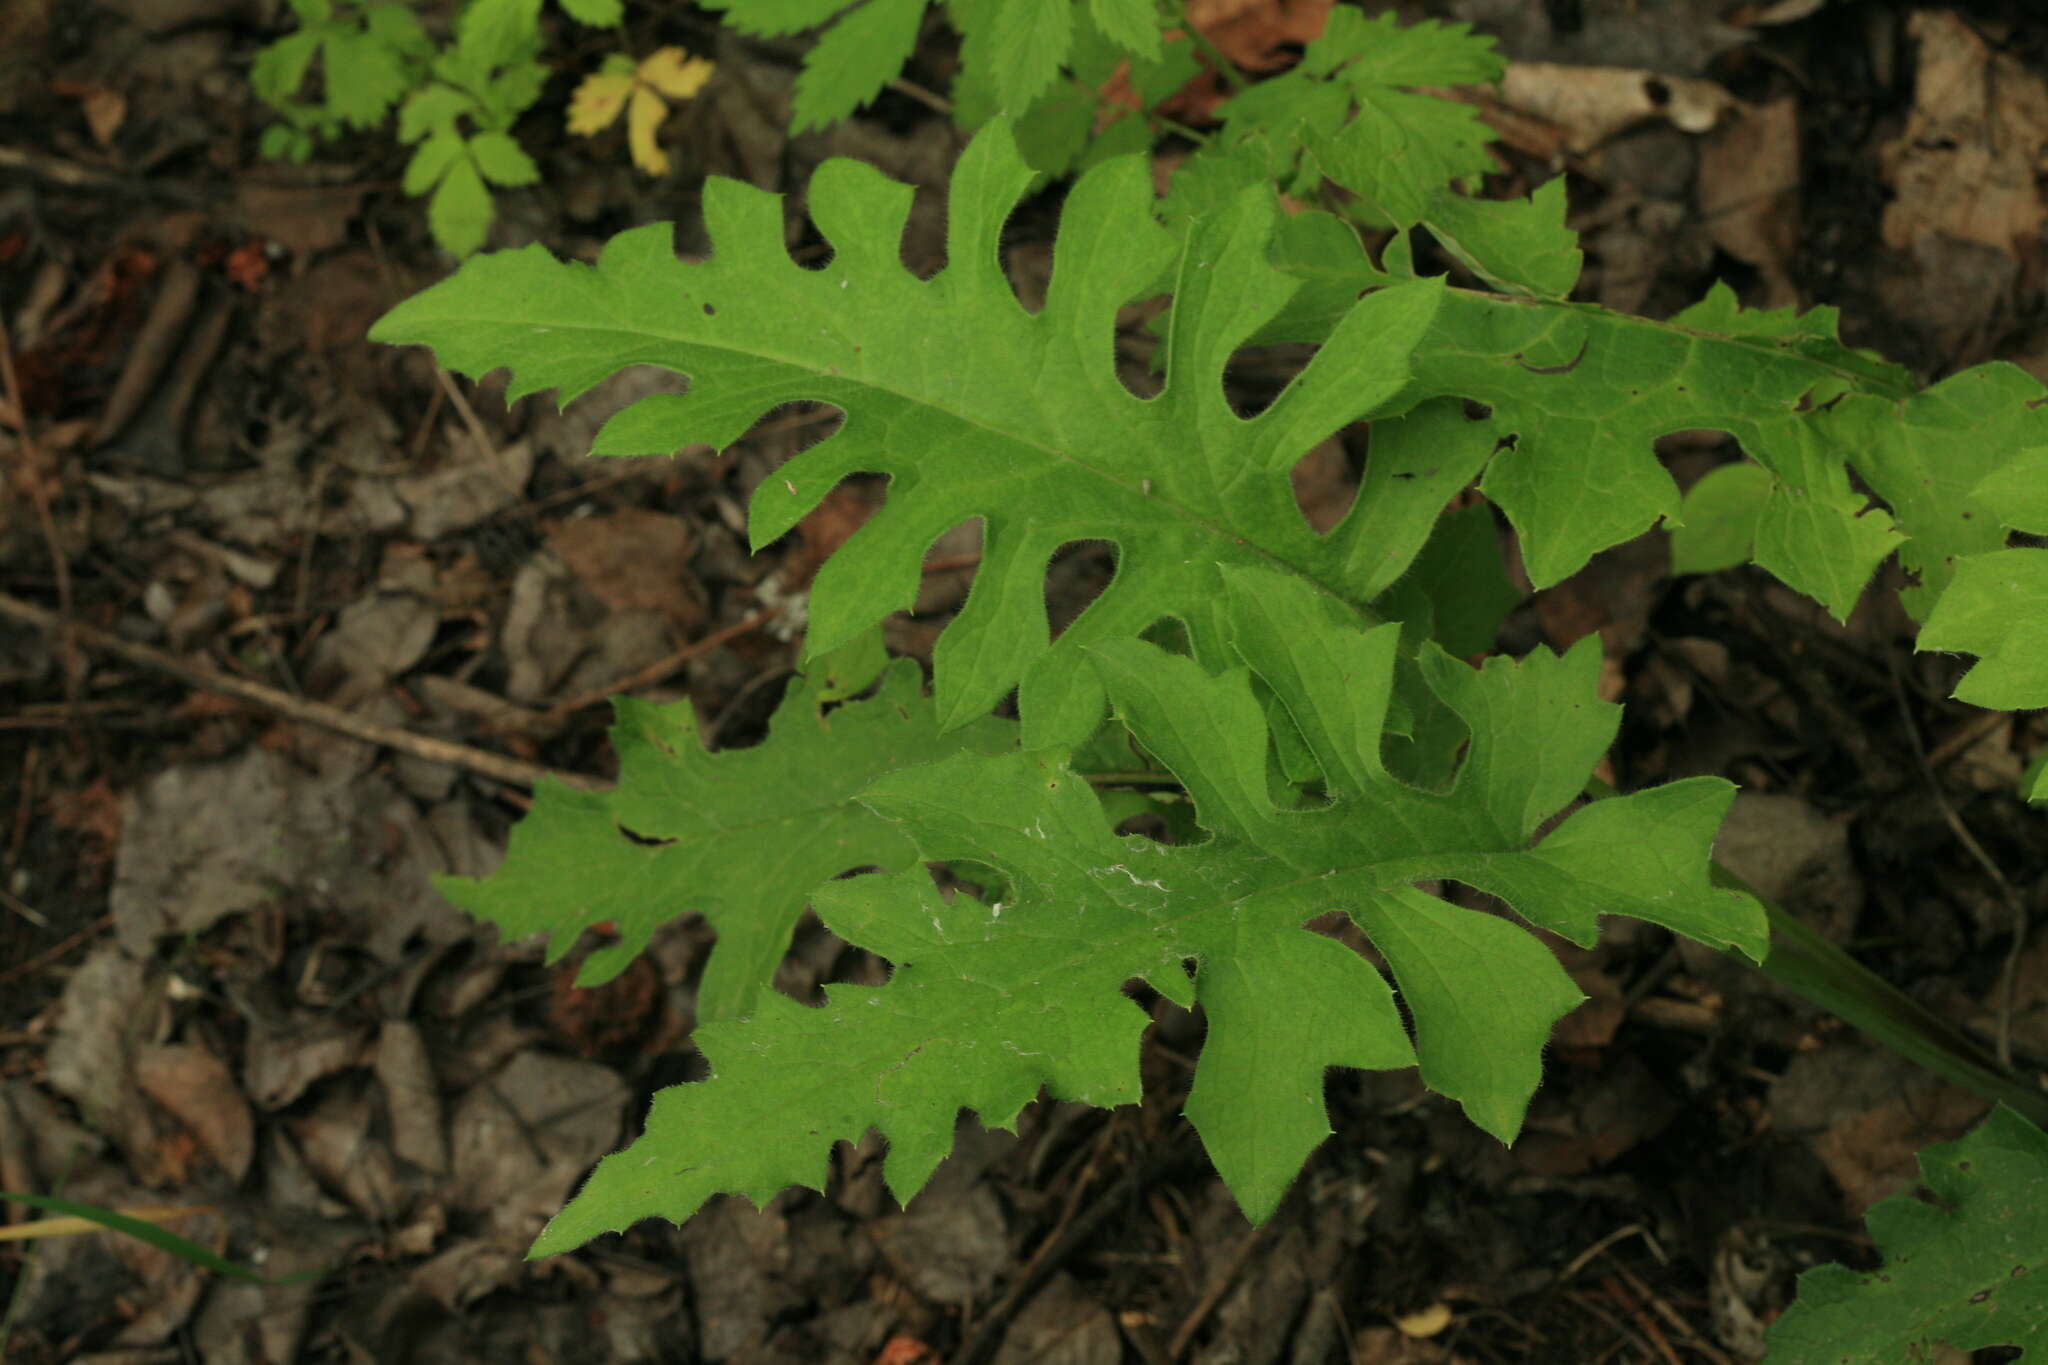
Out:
{"x": 195, "y": 1087}
{"x": 1966, "y": 165}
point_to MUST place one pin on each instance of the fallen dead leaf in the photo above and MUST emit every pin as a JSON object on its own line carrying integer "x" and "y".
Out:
{"x": 1593, "y": 104}
{"x": 1966, "y": 164}
{"x": 195, "y": 1087}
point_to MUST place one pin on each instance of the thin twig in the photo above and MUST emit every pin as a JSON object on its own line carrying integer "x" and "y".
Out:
{"x": 31, "y": 479}
{"x": 2008, "y": 977}
{"x": 43, "y": 959}
{"x": 663, "y": 667}
{"x": 500, "y": 767}
{"x": 1219, "y": 1283}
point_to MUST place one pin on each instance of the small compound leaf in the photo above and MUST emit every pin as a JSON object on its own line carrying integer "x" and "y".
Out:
{"x": 1131, "y": 24}
{"x": 1033, "y": 38}
{"x": 503, "y": 161}
{"x": 459, "y": 214}
{"x": 854, "y": 60}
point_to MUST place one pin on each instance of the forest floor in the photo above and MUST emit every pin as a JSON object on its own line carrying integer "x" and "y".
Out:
{"x": 328, "y": 610}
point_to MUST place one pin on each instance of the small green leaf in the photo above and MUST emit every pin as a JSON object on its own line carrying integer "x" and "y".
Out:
{"x": 595, "y": 13}
{"x": 1721, "y": 513}
{"x": 459, "y": 214}
{"x": 1131, "y": 24}
{"x": 440, "y": 150}
{"x": 2034, "y": 782}
{"x": 280, "y": 69}
{"x": 854, "y": 60}
{"x": 1030, "y": 40}
{"x": 503, "y": 161}
{"x": 495, "y": 33}
{"x": 434, "y": 109}
{"x": 364, "y": 77}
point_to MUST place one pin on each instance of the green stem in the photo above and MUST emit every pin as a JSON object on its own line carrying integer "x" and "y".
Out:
{"x": 1226, "y": 70}
{"x": 1808, "y": 965}
{"x": 1811, "y": 967}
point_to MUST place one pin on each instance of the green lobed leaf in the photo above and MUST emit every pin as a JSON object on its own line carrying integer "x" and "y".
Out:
{"x": 1346, "y": 112}
{"x": 1720, "y": 516}
{"x": 971, "y": 405}
{"x": 1927, "y": 454}
{"x": 2017, "y": 491}
{"x": 990, "y": 1002}
{"x": 741, "y": 836}
{"x": 1576, "y": 398}
{"x": 280, "y": 68}
{"x": 1966, "y": 1271}
{"x": 1996, "y": 606}
{"x": 363, "y": 77}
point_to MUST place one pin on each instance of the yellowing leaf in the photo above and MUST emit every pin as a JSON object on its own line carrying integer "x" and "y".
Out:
{"x": 597, "y": 102}
{"x": 675, "y": 73}
{"x": 669, "y": 72}
{"x": 641, "y": 122}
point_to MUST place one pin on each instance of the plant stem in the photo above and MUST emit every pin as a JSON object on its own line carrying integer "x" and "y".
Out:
{"x": 1226, "y": 70}
{"x": 1808, "y": 965}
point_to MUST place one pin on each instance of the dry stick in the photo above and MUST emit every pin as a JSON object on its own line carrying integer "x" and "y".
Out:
{"x": 1067, "y": 1235}
{"x": 49, "y": 955}
{"x": 502, "y": 768}
{"x": 31, "y": 482}
{"x": 1669, "y": 1314}
{"x": 661, "y": 668}
{"x": 1220, "y": 1281}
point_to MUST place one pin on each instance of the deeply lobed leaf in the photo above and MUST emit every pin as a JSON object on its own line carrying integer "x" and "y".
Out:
{"x": 991, "y": 1002}
{"x": 974, "y": 407}
{"x": 740, "y": 836}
